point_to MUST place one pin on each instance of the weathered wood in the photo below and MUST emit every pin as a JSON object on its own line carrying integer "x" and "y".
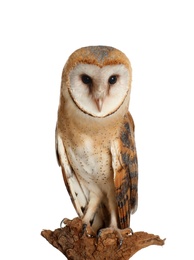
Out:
{"x": 76, "y": 247}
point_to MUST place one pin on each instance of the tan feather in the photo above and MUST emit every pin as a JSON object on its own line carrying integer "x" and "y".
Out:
{"x": 126, "y": 177}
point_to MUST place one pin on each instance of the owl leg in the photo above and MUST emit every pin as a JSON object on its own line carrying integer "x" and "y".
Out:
{"x": 113, "y": 226}
{"x": 90, "y": 212}
{"x": 114, "y": 223}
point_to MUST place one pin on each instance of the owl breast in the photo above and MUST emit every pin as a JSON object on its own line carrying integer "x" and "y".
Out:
{"x": 91, "y": 160}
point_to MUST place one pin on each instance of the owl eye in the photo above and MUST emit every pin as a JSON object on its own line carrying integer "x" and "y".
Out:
{"x": 112, "y": 80}
{"x": 86, "y": 79}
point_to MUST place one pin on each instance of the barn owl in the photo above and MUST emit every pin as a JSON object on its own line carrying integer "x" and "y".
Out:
{"x": 95, "y": 137}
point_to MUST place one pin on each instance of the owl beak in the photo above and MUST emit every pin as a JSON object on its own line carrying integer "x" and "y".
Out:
{"x": 99, "y": 103}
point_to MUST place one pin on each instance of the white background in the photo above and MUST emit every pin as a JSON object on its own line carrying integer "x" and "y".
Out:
{"x": 36, "y": 38}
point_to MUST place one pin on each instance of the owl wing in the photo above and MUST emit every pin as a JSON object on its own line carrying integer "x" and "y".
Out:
{"x": 124, "y": 160}
{"x": 77, "y": 192}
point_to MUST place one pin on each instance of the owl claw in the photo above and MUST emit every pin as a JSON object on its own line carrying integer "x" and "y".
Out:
{"x": 119, "y": 237}
{"x": 130, "y": 233}
{"x": 99, "y": 232}
{"x": 85, "y": 228}
{"x": 64, "y": 221}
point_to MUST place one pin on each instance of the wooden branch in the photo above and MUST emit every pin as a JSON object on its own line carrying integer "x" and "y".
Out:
{"x": 76, "y": 247}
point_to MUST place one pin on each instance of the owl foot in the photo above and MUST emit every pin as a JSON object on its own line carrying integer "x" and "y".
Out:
{"x": 109, "y": 230}
{"x": 119, "y": 233}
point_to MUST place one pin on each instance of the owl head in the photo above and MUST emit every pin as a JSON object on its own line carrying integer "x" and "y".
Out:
{"x": 97, "y": 79}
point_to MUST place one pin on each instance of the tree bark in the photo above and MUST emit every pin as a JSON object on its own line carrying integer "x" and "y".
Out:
{"x": 77, "y": 247}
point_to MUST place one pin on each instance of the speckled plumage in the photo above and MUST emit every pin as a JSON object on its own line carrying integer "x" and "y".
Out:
{"x": 95, "y": 144}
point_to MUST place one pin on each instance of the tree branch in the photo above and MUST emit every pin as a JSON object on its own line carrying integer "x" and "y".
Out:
{"x": 74, "y": 246}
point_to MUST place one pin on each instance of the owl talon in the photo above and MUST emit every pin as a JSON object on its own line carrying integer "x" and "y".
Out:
{"x": 120, "y": 243}
{"x": 128, "y": 232}
{"x": 99, "y": 232}
{"x": 64, "y": 221}
{"x": 85, "y": 228}
{"x": 131, "y": 232}
{"x": 119, "y": 238}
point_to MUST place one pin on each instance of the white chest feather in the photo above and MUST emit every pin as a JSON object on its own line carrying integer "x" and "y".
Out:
{"x": 91, "y": 162}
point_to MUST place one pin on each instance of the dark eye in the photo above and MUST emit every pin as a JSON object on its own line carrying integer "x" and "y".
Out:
{"x": 86, "y": 79}
{"x": 112, "y": 80}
